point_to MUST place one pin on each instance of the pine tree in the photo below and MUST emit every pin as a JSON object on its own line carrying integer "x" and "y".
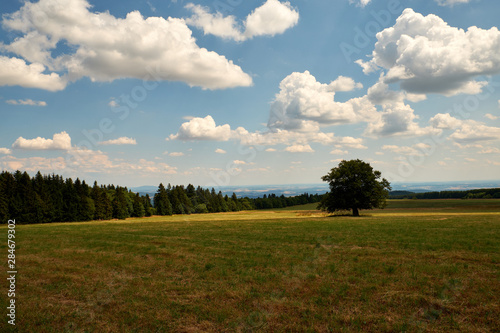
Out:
{"x": 139, "y": 210}
{"x": 70, "y": 201}
{"x": 161, "y": 202}
{"x": 148, "y": 207}
{"x": 120, "y": 207}
{"x": 4, "y": 205}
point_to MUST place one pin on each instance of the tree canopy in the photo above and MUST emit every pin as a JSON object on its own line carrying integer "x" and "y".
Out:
{"x": 354, "y": 185}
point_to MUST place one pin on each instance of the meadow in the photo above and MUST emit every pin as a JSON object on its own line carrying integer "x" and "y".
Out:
{"x": 416, "y": 266}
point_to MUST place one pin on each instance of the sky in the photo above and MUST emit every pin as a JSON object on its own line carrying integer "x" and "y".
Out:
{"x": 233, "y": 92}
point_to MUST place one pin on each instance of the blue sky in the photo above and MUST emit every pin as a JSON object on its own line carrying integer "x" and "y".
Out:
{"x": 232, "y": 92}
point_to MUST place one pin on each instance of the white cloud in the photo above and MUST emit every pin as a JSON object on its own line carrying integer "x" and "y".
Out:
{"x": 202, "y": 129}
{"x": 299, "y": 149}
{"x": 360, "y": 3}
{"x": 343, "y": 83}
{"x": 339, "y": 152}
{"x": 16, "y": 72}
{"x": 120, "y": 141}
{"x": 350, "y": 142}
{"x": 59, "y": 141}
{"x": 403, "y": 150}
{"x": 220, "y": 151}
{"x": 5, "y": 151}
{"x": 26, "y": 102}
{"x": 473, "y": 131}
{"x": 33, "y": 164}
{"x": 270, "y": 150}
{"x": 238, "y": 162}
{"x": 451, "y": 3}
{"x": 397, "y": 119}
{"x": 272, "y": 18}
{"x": 490, "y": 116}
{"x": 109, "y": 48}
{"x": 176, "y": 154}
{"x": 214, "y": 24}
{"x": 425, "y": 55}
{"x": 113, "y": 103}
{"x": 445, "y": 121}
{"x": 467, "y": 132}
{"x": 303, "y": 104}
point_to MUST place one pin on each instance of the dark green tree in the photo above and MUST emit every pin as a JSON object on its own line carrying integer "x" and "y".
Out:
{"x": 139, "y": 210}
{"x": 71, "y": 200}
{"x": 120, "y": 205}
{"x": 161, "y": 202}
{"x": 4, "y": 205}
{"x": 354, "y": 185}
{"x": 148, "y": 207}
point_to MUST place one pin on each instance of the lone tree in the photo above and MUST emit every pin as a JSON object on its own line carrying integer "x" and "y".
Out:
{"x": 354, "y": 185}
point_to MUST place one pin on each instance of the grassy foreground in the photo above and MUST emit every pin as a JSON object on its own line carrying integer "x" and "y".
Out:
{"x": 409, "y": 268}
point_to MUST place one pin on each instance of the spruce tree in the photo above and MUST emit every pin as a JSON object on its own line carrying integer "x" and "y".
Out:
{"x": 161, "y": 202}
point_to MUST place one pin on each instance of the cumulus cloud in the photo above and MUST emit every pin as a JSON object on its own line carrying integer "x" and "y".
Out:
{"x": 120, "y": 141}
{"x": 205, "y": 129}
{"x": 59, "y": 141}
{"x": 299, "y": 149}
{"x": 472, "y": 131}
{"x": 397, "y": 119}
{"x": 272, "y": 18}
{"x": 214, "y": 24}
{"x": 220, "y": 151}
{"x": 426, "y": 55}
{"x": 5, "y": 151}
{"x": 465, "y": 131}
{"x": 16, "y": 72}
{"x": 176, "y": 154}
{"x": 339, "y": 152}
{"x": 304, "y": 104}
{"x": 202, "y": 129}
{"x": 109, "y": 48}
{"x": 26, "y": 102}
{"x": 490, "y": 116}
{"x": 445, "y": 121}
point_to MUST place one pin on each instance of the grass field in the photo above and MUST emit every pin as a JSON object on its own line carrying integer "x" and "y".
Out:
{"x": 418, "y": 266}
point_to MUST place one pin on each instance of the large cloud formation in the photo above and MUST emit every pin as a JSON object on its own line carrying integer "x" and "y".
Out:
{"x": 272, "y": 18}
{"x": 426, "y": 55}
{"x": 304, "y": 104}
{"x": 109, "y": 48}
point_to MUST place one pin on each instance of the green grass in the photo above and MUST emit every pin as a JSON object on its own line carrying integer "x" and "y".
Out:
{"x": 413, "y": 269}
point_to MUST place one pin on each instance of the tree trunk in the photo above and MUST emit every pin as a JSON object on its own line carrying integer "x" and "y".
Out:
{"x": 355, "y": 212}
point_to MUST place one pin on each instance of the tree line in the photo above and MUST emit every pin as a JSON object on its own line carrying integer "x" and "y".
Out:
{"x": 491, "y": 193}
{"x": 51, "y": 198}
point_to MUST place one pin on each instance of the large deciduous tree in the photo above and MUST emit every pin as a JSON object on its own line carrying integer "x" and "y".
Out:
{"x": 354, "y": 185}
